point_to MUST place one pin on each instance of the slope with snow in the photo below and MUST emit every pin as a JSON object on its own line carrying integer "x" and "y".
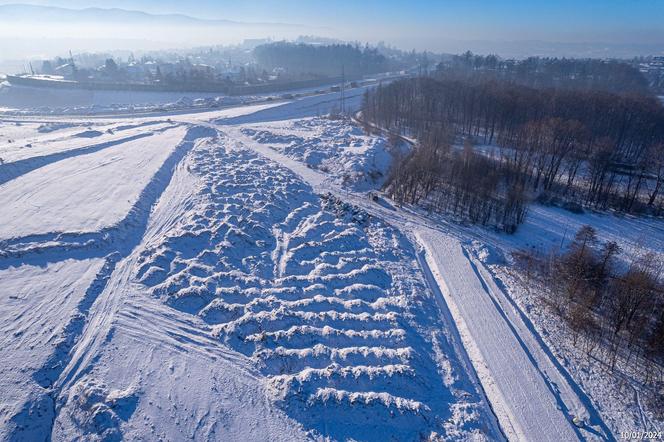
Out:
{"x": 86, "y": 192}
{"x": 526, "y": 368}
{"x": 325, "y": 308}
{"x": 37, "y": 308}
{"x": 54, "y": 140}
{"x": 506, "y": 365}
{"x": 619, "y": 395}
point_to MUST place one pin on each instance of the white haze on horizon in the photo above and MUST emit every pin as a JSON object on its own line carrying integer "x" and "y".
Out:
{"x": 43, "y": 33}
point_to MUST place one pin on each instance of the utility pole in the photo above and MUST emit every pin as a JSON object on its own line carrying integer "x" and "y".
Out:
{"x": 73, "y": 65}
{"x": 343, "y": 88}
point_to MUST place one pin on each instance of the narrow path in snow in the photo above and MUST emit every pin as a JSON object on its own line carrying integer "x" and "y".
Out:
{"x": 457, "y": 338}
{"x": 525, "y": 405}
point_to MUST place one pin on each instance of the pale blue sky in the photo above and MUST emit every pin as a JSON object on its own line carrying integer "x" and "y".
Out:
{"x": 616, "y": 21}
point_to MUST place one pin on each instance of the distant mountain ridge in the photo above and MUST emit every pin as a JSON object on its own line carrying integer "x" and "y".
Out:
{"x": 33, "y": 13}
{"x": 30, "y": 31}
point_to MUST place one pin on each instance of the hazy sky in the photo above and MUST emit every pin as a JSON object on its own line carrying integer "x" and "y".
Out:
{"x": 418, "y": 21}
{"x": 513, "y": 28}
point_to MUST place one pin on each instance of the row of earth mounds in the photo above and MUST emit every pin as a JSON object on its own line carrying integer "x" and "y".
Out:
{"x": 301, "y": 284}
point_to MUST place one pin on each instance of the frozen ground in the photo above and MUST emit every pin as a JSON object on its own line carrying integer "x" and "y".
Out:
{"x": 221, "y": 277}
{"x": 554, "y": 228}
{"x": 38, "y": 306}
{"x": 332, "y": 145}
{"x": 618, "y": 396}
{"x": 40, "y": 102}
{"x": 327, "y": 310}
{"x": 511, "y": 363}
{"x": 86, "y": 192}
{"x": 22, "y": 139}
{"x": 26, "y": 100}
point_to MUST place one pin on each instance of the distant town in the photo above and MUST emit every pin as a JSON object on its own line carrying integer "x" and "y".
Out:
{"x": 263, "y": 66}
{"x": 653, "y": 69}
{"x": 255, "y": 66}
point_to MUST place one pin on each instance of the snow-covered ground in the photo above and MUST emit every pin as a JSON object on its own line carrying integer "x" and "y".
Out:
{"x": 513, "y": 374}
{"x": 521, "y": 366}
{"x": 618, "y": 395}
{"x": 84, "y": 193}
{"x": 223, "y": 275}
{"x": 213, "y": 294}
{"x": 331, "y": 145}
{"x": 40, "y": 101}
{"x": 27, "y": 100}
{"x": 331, "y": 323}
{"x": 39, "y": 308}
{"x": 22, "y": 140}
{"x": 554, "y": 228}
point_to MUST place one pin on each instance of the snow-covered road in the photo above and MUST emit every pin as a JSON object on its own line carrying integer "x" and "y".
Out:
{"x": 525, "y": 405}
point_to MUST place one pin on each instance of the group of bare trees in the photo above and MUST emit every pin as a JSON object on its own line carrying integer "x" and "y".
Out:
{"x": 653, "y": 72}
{"x": 463, "y": 183}
{"x": 614, "y": 305}
{"x": 595, "y": 148}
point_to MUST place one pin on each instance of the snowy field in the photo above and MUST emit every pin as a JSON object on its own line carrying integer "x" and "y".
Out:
{"x": 84, "y": 193}
{"x": 330, "y": 145}
{"x": 45, "y": 102}
{"x": 223, "y": 275}
{"x": 26, "y": 100}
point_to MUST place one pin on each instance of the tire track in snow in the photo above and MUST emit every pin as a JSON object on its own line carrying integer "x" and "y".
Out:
{"x": 43, "y": 248}
{"x": 457, "y": 339}
{"x": 149, "y": 197}
{"x": 14, "y": 169}
{"x": 401, "y": 220}
{"x": 571, "y": 395}
{"x": 92, "y": 325}
{"x": 153, "y": 321}
{"x": 520, "y": 340}
{"x": 504, "y": 363}
{"x": 47, "y": 375}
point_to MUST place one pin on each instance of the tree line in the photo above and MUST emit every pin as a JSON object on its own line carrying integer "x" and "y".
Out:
{"x": 320, "y": 60}
{"x": 653, "y": 72}
{"x": 545, "y": 72}
{"x": 592, "y": 148}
